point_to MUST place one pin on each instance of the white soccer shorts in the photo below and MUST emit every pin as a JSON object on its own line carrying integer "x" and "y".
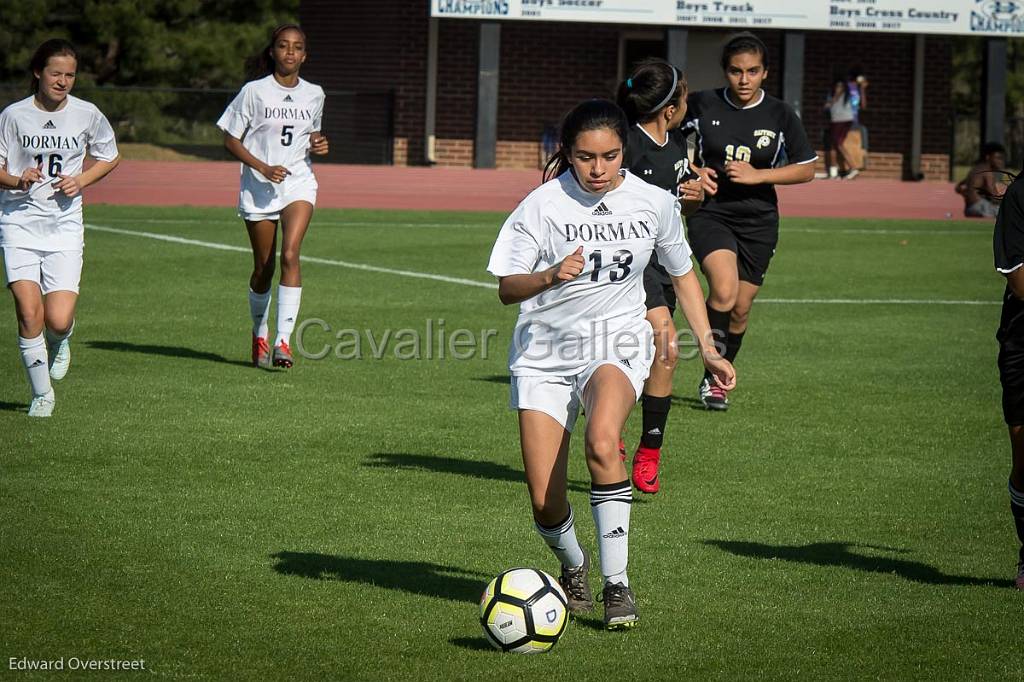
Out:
{"x": 306, "y": 191}
{"x": 560, "y": 397}
{"x": 51, "y": 270}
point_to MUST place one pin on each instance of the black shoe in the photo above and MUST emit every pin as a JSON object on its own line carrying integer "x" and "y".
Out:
{"x": 619, "y": 606}
{"x": 577, "y": 587}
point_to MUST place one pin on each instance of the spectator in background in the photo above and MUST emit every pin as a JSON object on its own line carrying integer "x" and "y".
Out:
{"x": 982, "y": 182}
{"x": 848, "y": 97}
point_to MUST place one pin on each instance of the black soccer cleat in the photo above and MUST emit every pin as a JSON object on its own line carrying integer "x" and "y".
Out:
{"x": 619, "y": 607}
{"x": 577, "y": 587}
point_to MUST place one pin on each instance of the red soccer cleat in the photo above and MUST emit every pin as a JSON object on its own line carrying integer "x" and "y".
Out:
{"x": 282, "y": 355}
{"x": 645, "y": 470}
{"x": 260, "y": 352}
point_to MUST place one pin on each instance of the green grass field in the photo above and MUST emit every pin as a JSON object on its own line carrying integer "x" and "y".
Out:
{"x": 846, "y": 519}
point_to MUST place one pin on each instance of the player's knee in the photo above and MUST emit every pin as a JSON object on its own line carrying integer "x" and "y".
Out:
{"x": 602, "y": 448}
{"x": 30, "y": 318}
{"x": 289, "y": 259}
{"x": 724, "y": 298}
{"x": 740, "y": 315}
{"x": 60, "y": 325}
{"x": 549, "y": 508}
{"x": 263, "y": 272}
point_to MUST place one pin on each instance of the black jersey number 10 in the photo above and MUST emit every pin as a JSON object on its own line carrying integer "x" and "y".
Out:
{"x": 621, "y": 258}
{"x": 734, "y": 153}
{"x": 54, "y": 166}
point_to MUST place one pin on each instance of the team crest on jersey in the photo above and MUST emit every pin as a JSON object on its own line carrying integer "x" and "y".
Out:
{"x": 764, "y": 138}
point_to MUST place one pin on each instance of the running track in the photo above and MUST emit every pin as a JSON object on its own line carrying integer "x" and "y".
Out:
{"x": 172, "y": 183}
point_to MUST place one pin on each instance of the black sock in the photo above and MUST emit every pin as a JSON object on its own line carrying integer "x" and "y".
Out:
{"x": 655, "y": 416}
{"x": 1017, "y": 509}
{"x": 719, "y": 328}
{"x": 732, "y": 346}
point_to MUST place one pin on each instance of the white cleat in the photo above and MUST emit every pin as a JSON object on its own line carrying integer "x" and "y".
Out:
{"x": 60, "y": 360}
{"x": 42, "y": 405}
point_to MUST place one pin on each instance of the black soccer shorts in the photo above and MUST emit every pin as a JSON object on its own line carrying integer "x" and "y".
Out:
{"x": 1011, "y": 376}
{"x": 753, "y": 241}
{"x": 658, "y": 286}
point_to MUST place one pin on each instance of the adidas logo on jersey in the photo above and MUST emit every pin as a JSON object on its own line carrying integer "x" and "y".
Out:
{"x": 49, "y": 126}
{"x": 648, "y": 171}
{"x": 288, "y": 98}
{"x": 716, "y": 123}
{"x": 615, "y": 534}
{"x": 601, "y": 210}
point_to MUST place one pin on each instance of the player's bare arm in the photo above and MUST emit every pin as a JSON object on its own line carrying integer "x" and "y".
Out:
{"x": 318, "y": 144}
{"x": 22, "y": 182}
{"x": 72, "y": 185}
{"x": 273, "y": 173}
{"x": 742, "y": 173}
{"x": 518, "y": 288}
{"x": 1016, "y": 281}
{"x": 691, "y": 300}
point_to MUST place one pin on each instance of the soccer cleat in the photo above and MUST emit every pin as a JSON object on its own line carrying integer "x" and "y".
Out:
{"x": 852, "y": 174}
{"x": 1019, "y": 582}
{"x": 60, "y": 360}
{"x": 42, "y": 405}
{"x": 619, "y": 606}
{"x": 577, "y": 588}
{"x": 622, "y": 450}
{"x": 713, "y": 396}
{"x": 260, "y": 352}
{"x": 282, "y": 355}
{"x": 645, "y": 470}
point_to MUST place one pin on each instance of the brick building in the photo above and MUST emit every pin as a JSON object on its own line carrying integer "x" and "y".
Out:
{"x": 546, "y": 67}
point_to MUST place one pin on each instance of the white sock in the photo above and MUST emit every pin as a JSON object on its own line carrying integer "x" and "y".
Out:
{"x": 33, "y": 355}
{"x": 610, "y": 505}
{"x": 561, "y": 538}
{"x": 287, "y": 312}
{"x": 259, "y": 310}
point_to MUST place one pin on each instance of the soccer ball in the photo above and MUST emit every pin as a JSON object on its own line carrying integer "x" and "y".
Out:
{"x": 523, "y": 610}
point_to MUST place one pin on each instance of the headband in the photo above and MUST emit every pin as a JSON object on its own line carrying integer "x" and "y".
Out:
{"x": 671, "y": 91}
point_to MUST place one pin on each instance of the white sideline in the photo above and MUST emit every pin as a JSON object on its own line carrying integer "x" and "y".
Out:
{"x": 490, "y": 285}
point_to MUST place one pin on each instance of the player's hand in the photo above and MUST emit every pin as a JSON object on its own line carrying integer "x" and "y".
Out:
{"x": 30, "y": 176}
{"x": 570, "y": 268}
{"x": 67, "y": 184}
{"x": 318, "y": 144}
{"x": 275, "y": 173}
{"x": 742, "y": 173}
{"x": 721, "y": 369}
{"x": 709, "y": 178}
{"x": 691, "y": 190}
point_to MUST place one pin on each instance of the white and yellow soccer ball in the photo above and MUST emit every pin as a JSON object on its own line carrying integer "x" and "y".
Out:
{"x": 523, "y": 610}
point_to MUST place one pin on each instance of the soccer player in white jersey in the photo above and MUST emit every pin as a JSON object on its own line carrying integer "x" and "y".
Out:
{"x": 573, "y": 255}
{"x": 43, "y": 142}
{"x": 271, "y": 127}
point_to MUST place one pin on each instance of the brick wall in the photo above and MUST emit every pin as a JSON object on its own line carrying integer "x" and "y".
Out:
{"x": 547, "y": 67}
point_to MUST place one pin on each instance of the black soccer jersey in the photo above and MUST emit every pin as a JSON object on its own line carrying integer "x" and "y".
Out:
{"x": 664, "y": 165}
{"x": 1008, "y": 248}
{"x": 760, "y": 134}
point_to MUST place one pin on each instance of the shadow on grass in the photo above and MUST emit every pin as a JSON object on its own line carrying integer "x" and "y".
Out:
{"x": 414, "y": 577}
{"x": 166, "y": 351}
{"x": 502, "y": 379}
{"x": 472, "y": 643}
{"x": 13, "y": 407}
{"x": 841, "y": 554}
{"x": 451, "y": 465}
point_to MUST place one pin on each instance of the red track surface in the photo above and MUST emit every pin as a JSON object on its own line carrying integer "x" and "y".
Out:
{"x": 168, "y": 183}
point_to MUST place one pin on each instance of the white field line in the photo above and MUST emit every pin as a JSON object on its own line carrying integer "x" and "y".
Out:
{"x": 971, "y": 231}
{"x": 305, "y": 259}
{"x": 491, "y": 285}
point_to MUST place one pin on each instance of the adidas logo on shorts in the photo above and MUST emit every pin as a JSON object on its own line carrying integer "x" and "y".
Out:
{"x": 601, "y": 210}
{"x": 49, "y": 126}
{"x": 625, "y": 361}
